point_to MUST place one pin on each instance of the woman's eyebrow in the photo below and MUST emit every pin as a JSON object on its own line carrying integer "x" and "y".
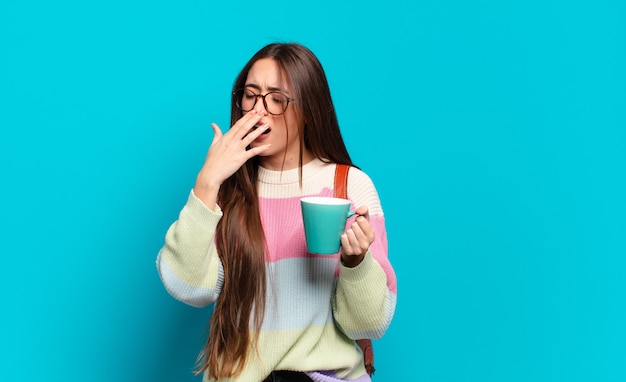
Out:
{"x": 270, "y": 88}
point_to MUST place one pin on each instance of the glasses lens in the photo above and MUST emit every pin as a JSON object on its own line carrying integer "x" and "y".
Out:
{"x": 245, "y": 99}
{"x": 276, "y": 103}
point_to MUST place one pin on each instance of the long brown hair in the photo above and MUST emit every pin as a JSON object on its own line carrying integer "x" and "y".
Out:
{"x": 240, "y": 239}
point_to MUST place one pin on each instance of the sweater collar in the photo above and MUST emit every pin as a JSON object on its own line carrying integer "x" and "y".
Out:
{"x": 290, "y": 176}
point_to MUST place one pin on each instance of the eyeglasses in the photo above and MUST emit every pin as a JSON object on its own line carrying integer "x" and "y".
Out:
{"x": 275, "y": 102}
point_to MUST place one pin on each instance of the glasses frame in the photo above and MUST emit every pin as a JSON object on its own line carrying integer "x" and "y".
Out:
{"x": 256, "y": 98}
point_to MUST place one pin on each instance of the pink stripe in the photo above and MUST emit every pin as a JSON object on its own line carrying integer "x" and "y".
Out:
{"x": 284, "y": 232}
{"x": 378, "y": 249}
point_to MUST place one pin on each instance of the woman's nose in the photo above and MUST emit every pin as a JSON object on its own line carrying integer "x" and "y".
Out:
{"x": 259, "y": 106}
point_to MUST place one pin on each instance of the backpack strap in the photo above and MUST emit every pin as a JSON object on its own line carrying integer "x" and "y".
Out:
{"x": 368, "y": 354}
{"x": 341, "y": 181}
{"x": 341, "y": 191}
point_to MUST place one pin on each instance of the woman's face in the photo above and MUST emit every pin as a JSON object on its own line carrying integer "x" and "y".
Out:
{"x": 283, "y": 132}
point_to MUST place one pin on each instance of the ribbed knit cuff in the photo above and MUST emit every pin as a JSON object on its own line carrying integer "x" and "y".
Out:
{"x": 358, "y": 273}
{"x": 200, "y": 213}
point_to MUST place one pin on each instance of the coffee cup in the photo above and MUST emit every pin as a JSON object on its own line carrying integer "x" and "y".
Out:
{"x": 324, "y": 222}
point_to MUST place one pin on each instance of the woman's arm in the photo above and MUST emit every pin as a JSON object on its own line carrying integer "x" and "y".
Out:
{"x": 188, "y": 263}
{"x": 365, "y": 295}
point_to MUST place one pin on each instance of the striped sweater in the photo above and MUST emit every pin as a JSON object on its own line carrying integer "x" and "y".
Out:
{"x": 315, "y": 307}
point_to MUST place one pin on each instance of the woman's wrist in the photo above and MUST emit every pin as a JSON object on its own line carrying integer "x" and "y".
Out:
{"x": 206, "y": 192}
{"x": 352, "y": 260}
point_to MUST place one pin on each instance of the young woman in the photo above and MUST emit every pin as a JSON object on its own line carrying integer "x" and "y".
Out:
{"x": 281, "y": 313}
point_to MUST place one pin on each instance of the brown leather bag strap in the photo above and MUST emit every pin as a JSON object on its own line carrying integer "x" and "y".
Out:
{"x": 368, "y": 354}
{"x": 341, "y": 181}
{"x": 341, "y": 191}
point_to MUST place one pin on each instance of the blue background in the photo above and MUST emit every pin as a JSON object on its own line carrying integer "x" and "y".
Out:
{"x": 494, "y": 130}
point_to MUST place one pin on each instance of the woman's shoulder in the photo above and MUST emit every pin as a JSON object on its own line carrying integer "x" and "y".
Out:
{"x": 362, "y": 191}
{"x": 359, "y": 176}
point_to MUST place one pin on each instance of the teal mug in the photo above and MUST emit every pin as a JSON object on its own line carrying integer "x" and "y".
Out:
{"x": 324, "y": 222}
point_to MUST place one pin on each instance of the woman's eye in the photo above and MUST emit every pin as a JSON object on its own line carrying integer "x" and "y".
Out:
{"x": 278, "y": 99}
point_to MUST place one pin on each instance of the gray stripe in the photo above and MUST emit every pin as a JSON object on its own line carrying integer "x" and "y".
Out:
{"x": 189, "y": 294}
{"x": 303, "y": 287}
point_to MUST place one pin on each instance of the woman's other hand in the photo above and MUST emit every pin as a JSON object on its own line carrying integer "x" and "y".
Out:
{"x": 356, "y": 241}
